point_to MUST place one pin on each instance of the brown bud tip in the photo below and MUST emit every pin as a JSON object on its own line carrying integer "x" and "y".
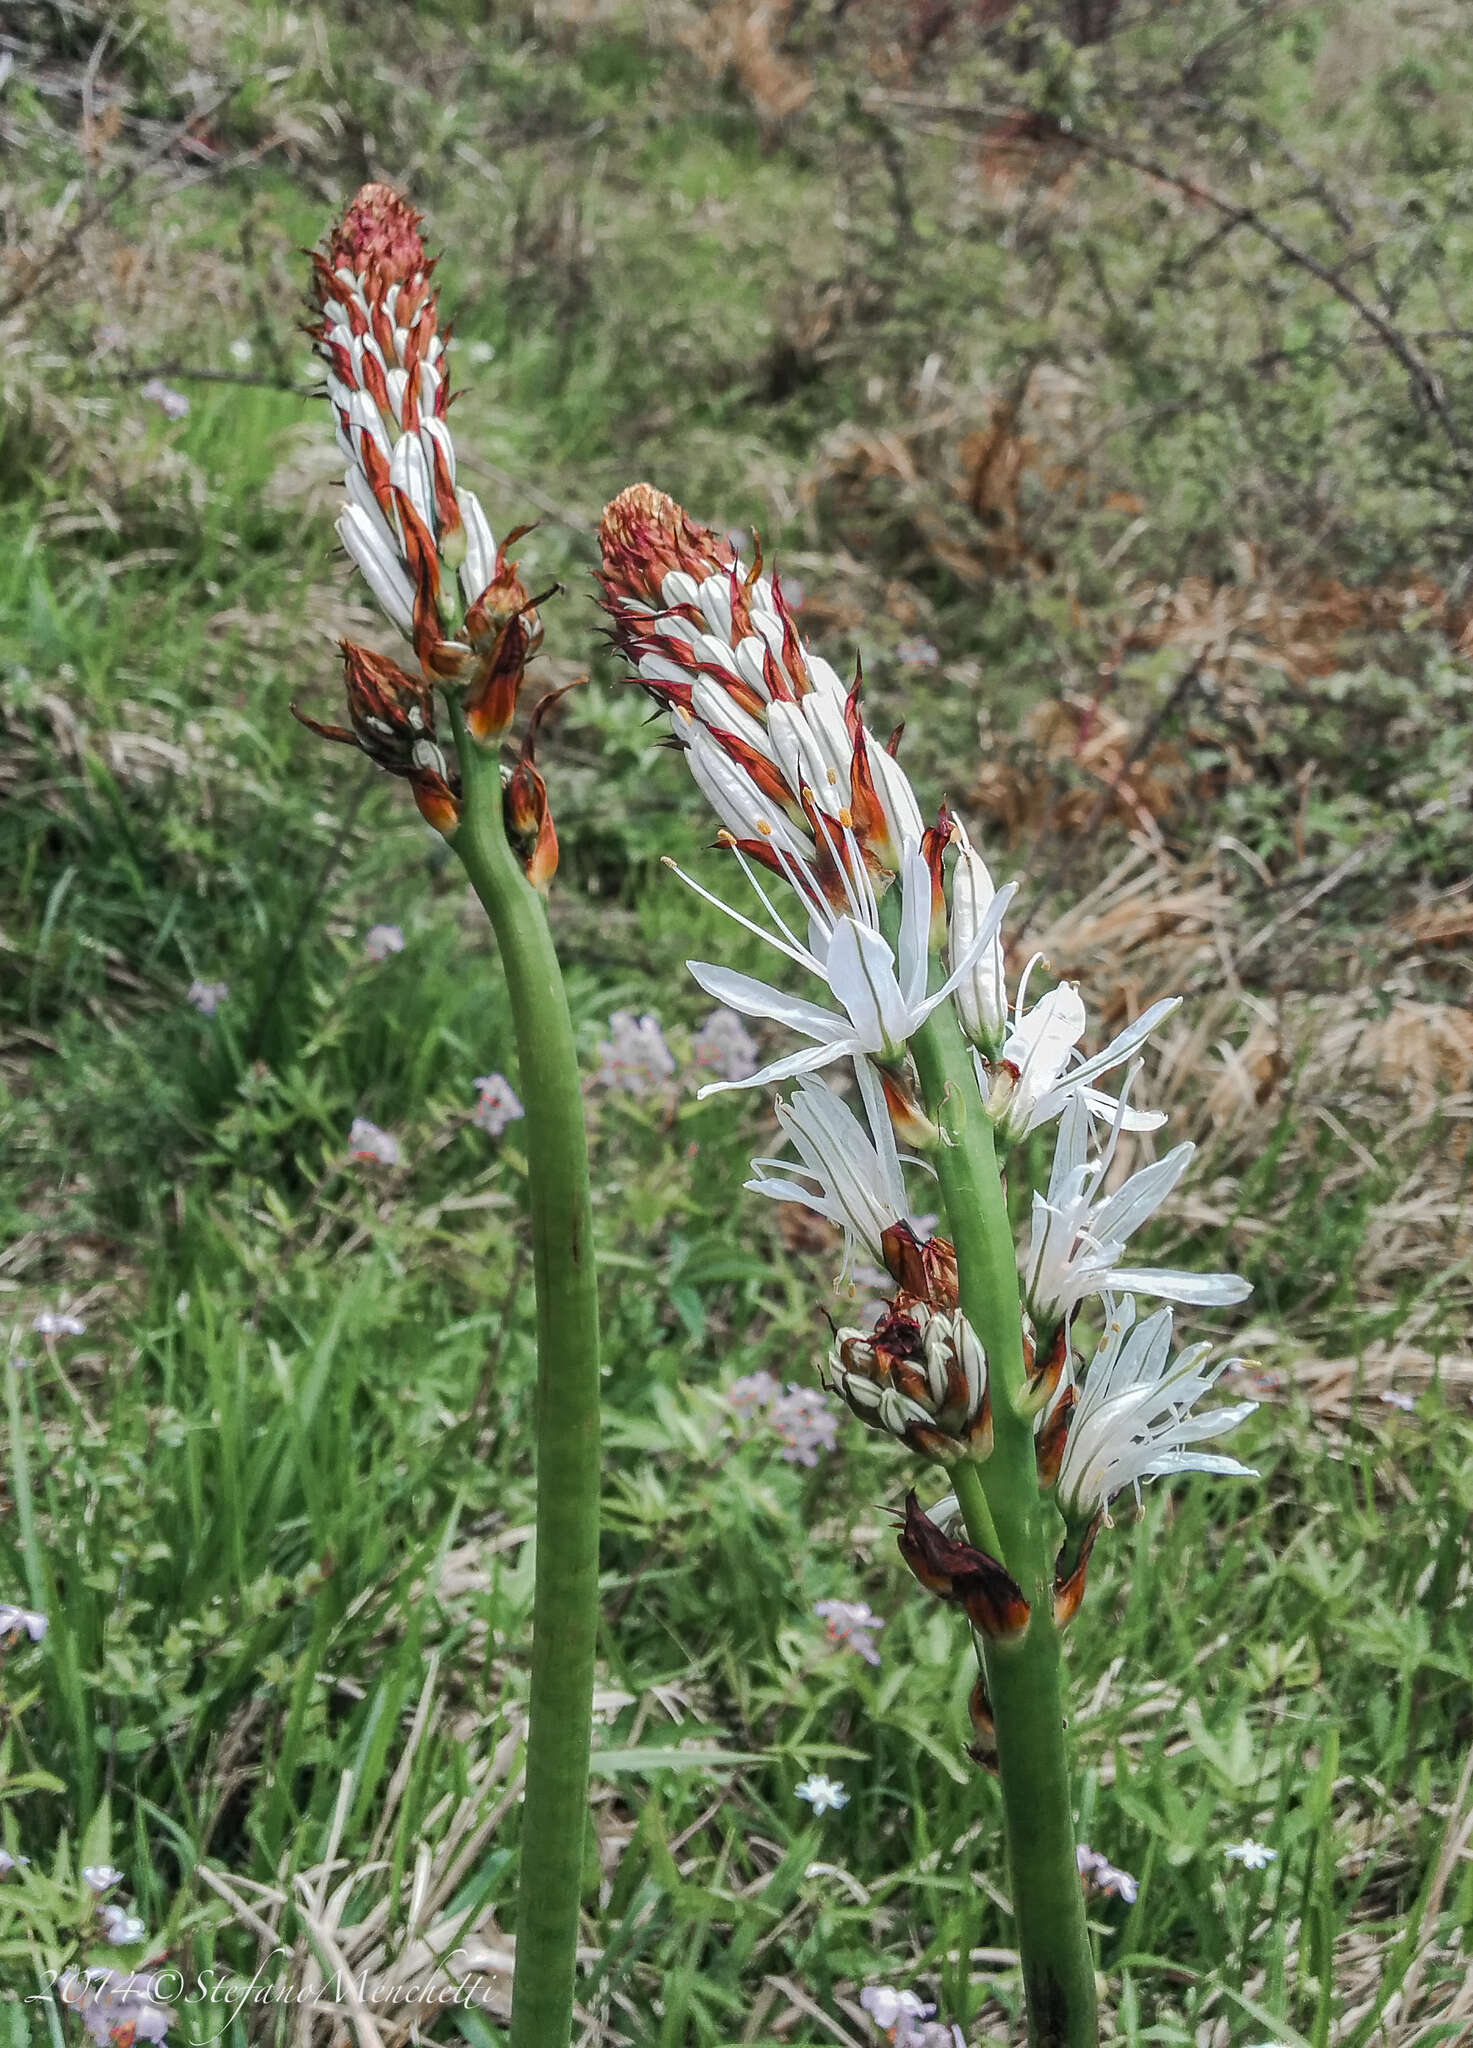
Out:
{"x": 991, "y": 1597}
{"x": 378, "y": 233}
{"x": 644, "y": 534}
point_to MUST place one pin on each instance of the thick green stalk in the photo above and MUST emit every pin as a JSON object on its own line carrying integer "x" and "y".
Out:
{"x": 1002, "y": 1504}
{"x": 565, "y": 1601}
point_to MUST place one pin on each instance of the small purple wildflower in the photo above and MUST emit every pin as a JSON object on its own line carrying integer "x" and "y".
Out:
{"x": 724, "y": 1047}
{"x": 55, "y": 1322}
{"x": 367, "y": 1141}
{"x": 113, "y": 2001}
{"x": 380, "y": 940}
{"x": 19, "y": 1621}
{"x": 1395, "y": 1398}
{"x": 1100, "y": 1875}
{"x": 121, "y": 1927}
{"x": 752, "y": 1391}
{"x": 497, "y": 1107}
{"x": 172, "y": 404}
{"x": 207, "y": 996}
{"x": 100, "y": 1877}
{"x": 852, "y": 1623}
{"x": 917, "y": 653}
{"x": 634, "y": 1057}
{"x": 9, "y": 1862}
{"x": 805, "y": 1423}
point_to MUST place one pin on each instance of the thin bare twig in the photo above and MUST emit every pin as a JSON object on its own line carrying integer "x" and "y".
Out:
{"x": 41, "y": 271}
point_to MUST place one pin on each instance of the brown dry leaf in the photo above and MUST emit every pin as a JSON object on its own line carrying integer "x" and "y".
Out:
{"x": 741, "y": 36}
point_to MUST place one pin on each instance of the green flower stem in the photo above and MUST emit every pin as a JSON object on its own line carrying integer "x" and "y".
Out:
{"x": 565, "y": 1603}
{"x": 1008, "y": 1516}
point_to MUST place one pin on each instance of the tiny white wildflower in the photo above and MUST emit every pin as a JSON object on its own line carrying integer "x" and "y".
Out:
{"x": 53, "y": 1322}
{"x": 1252, "y": 1855}
{"x": 823, "y": 1794}
{"x": 20, "y": 1621}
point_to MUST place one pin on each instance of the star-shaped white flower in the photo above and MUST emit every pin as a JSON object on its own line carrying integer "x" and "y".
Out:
{"x": 1037, "y": 1069}
{"x": 1252, "y": 1855}
{"x": 824, "y": 1795}
{"x": 845, "y": 1173}
{"x": 1078, "y": 1234}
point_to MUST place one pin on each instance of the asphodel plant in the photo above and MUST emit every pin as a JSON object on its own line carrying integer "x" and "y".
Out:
{"x": 889, "y": 935}
{"x": 426, "y": 552}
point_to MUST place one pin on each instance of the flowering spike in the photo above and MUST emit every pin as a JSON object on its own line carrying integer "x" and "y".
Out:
{"x": 413, "y": 532}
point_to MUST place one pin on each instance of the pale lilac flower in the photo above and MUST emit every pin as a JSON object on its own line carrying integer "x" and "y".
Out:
{"x": 380, "y": 940}
{"x": 9, "y": 1862}
{"x": 805, "y": 1423}
{"x": 172, "y": 404}
{"x": 1395, "y": 1398}
{"x": 367, "y": 1141}
{"x": 55, "y": 1322}
{"x": 1101, "y": 1875}
{"x": 724, "y": 1047}
{"x": 634, "y": 1057}
{"x": 207, "y": 996}
{"x": 752, "y": 1391}
{"x": 824, "y": 1795}
{"x": 18, "y": 1621}
{"x": 917, "y": 652}
{"x": 497, "y": 1107}
{"x": 1252, "y": 1855}
{"x": 852, "y": 1623}
{"x": 121, "y": 1927}
{"x": 897, "y": 2015}
{"x": 112, "y": 2002}
{"x": 100, "y": 1877}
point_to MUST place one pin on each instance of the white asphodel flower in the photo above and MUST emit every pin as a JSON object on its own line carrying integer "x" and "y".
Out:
{"x": 845, "y": 1173}
{"x": 1037, "y": 1069}
{"x": 880, "y": 990}
{"x": 981, "y": 994}
{"x": 1078, "y": 1234}
{"x": 1133, "y": 1418}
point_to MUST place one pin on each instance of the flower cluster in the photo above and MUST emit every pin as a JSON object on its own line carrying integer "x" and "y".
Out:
{"x": 905, "y": 2019}
{"x": 887, "y": 920}
{"x": 799, "y": 1417}
{"x": 419, "y": 539}
{"x": 118, "y": 2007}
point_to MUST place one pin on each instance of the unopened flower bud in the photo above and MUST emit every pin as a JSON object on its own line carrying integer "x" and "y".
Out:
{"x": 921, "y": 1376}
{"x": 981, "y": 994}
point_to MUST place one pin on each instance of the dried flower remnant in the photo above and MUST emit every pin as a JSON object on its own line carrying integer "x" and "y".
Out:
{"x": 498, "y": 1105}
{"x": 724, "y": 1047}
{"x": 824, "y": 1795}
{"x": 367, "y": 1141}
{"x": 634, "y": 1059}
{"x": 852, "y": 1624}
{"x": 392, "y": 720}
{"x": 380, "y": 940}
{"x": 20, "y": 1621}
